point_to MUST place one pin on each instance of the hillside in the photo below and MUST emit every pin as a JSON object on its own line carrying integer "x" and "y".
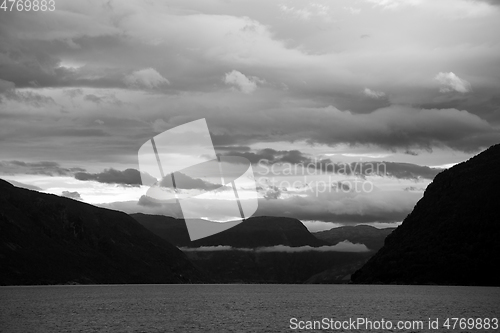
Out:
{"x": 246, "y": 262}
{"x": 251, "y": 233}
{"x": 372, "y": 237}
{"x": 451, "y": 236}
{"x": 47, "y": 239}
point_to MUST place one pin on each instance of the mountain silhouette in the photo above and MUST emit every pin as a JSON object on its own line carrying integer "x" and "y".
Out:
{"x": 47, "y": 239}
{"x": 451, "y": 236}
{"x": 251, "y": 233}
{"x": 372, "y": 237}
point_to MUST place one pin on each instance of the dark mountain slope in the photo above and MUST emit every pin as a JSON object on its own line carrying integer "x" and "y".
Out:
{"x": 251, "y": 233}
{"x": 372, "y": 237}
{"x": 233, "y": 266}
{"x": 46, "y": 239}
{"x": 451, "y": 236}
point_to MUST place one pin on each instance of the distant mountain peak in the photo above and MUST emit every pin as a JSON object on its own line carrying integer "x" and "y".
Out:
{"x": 254, "y": 232}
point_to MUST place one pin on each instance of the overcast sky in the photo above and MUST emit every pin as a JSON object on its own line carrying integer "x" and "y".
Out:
{"x": 411, "y": 82}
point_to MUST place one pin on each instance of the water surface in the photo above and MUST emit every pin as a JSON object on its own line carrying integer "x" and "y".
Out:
{"x": 232, "y": 308}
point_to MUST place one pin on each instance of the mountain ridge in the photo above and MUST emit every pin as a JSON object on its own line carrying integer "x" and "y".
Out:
{"x": 451, "y": 236}
{"x": 370, "y": 236}
{"x": 47, "y": 239}
{"x": 253, "y": 232}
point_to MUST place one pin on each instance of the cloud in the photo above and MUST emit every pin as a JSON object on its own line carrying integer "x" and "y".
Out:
{"x": 147, "y": 78}
{"x": 269, "y": 155}
{"x": 186, "y": 182}
{"x": 214, "y": 248}
{"x": 490, "y": 2}
{"x": 245, "y": 84}
{"x": 451, "y": 82}
{"x": 392, "y": 4}
{"x": 331, "y": 205}
{"x": 23, "y": 185}
{"x": 259, "y": 42}
{"x": 159, "y": 125}
{"x": 303, "y": 164}
{"x": 452, "y": 9}
{"x": 312, "y": 10}
{"x": 353, "y": 10}
{"x": 273, "y": 192}
{"x": 8, "y": 91}
{"x": 111, "y": 99}
{"x": 328, "y": 205}
{"x": 385, "y": 169}
{"x": 394, "y": 127}
{"x": 145, "y": 205}
{"x": 300, "y": 13}
{"x": 373, "y": 93}
{"x": 72, "y": 93}
{"x": 344, "y": 246}
{"x": 232, "y": 148}
{"x": 147, "y": 201}
{"x": 73, "y": 195}
{"x": 444, "y": 166}
{"x": 6, "y": 86}
{"x": 112, "y": 176}
{"x": 414, "y": 188}
{"x": 36, "y": 168}
{"x": 317, "y": 226}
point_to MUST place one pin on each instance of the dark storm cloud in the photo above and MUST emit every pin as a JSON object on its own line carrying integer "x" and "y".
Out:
{"x": 384, "y": 169}
{"x": 272, "y": 156}
{"x": 8, "y": 91}
{"x": 36, "y": 168}
{"x": 40, "y": 63}
{"x": 395, "y": 128}
{"x": 410, "y": 171}
{"x": 93, "y": 98}
{"x": 491, "y": 2}
{"x": 112, "y": 176}
{"x": 72, "y": 93}
{"x": 226, "y": 139}
{"x": 232, "y": 148}
{"x": 65, "y": 51}
{"x": 110, "y": 99}
{"x": 293, "y": 208}
{"x": 35, "y": 63}
{"x": 6, "y": 86}
{"x": 73, "y": 195}
{"x": 70, "y": 132}
{"x": 183, "y": 181}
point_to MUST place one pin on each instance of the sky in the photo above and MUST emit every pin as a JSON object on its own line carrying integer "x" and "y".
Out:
{"x": 409, "y": 85}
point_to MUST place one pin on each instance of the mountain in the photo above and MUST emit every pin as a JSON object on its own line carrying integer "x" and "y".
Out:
{"x": 372, "y": 237}
{"x": 338, "y": 274}
{"x": 47, "y": 239}
{"x": 247, "y": 262}
{"x": 451, "y": 236}
{"x": 254, "y": 266}
{"x": 251, "y": 233}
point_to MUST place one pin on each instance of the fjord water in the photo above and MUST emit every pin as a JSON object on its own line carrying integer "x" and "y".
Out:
{"x": 232, "y": 308}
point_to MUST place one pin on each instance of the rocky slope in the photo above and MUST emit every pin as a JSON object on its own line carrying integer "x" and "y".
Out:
{"x": 46, "y": 239}
{"x": 451, "y": 236}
